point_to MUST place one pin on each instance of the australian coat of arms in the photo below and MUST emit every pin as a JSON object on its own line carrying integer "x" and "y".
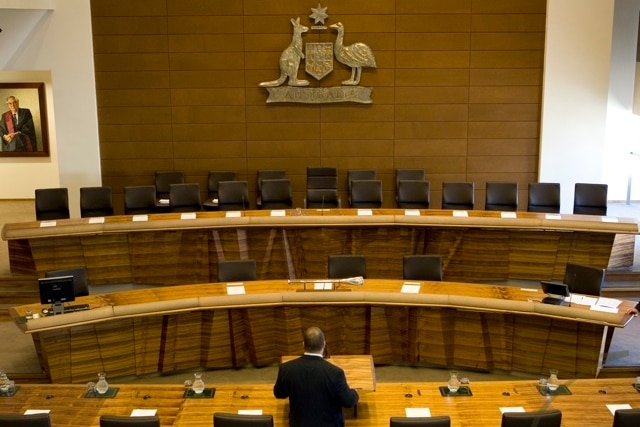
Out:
{"x": 318, "y": 63}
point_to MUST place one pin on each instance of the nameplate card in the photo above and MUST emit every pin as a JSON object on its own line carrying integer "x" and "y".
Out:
{"x": 163, "y": 201}
{"x": 512, "y": 215}
{"x": 323, "y": 286}
{"x": 235, "y": 288}
{"x": 417, "y": 412}
{"x": 48, "y": 224}
{"x": 233, "y": 214}
{"x": 143, "y": 412}
{"x": 249, "y": 411}
{"x": 96, "y": 220}
{"x": 188, "y": 215}
{"x": 36, "y": 411}
{"x": 365, "y": 212}
{"x": 412, "y": 212}
{"x": 553, "y": 216}
{"x": 140, "y": 218}
{"x": 279, "y": 212}
{"x": 410, "y": 288}
{"x": 460, "y": 214}
{"x": 512, "y": 409}
{"x": 609, "y": 219}
{"x": 614, "y": 407}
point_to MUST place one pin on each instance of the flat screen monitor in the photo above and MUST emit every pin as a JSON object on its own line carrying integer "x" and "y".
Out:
{"x": 556, "y": 292}
{"x": 56, "y": 291}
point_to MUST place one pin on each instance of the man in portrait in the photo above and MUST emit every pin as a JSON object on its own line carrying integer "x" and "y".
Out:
{"x": 17, "y": 128}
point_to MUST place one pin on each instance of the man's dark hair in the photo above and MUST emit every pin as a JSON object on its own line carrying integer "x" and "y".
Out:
{"x": 313, "y": 340}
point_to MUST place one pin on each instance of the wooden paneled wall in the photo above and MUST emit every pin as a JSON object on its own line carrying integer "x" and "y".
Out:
{"x": 457, "y": 91}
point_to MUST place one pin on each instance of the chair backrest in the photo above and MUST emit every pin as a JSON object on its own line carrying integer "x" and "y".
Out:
{"x": 80, "y": 284}
{"x": 52, "y": 203}
{"x": 442, "y": 421}
{"x": 366, "y": 193}
{"x": 185, "y": 197}
{"x": 322, "y": 198}
{"x": 458, "y": 195}
{"x": 276, "y": 194}
{"x": 544, "y": 197}
{"x": 501, "y": 196}
{"x": 626, "y": 417}
{"x": 223, "y": 419}
{"x": 359, "y": 174}
{"x": 139, "y": 200}
{"x": 215, "y": 177}
{"x": 584, "y": 279}
{"x": 237, "y": 270}
{"x": 590, "y": 199}
{"x": 127, "y": 421}
{"x": 322, "y": 177}
{"x": 267, "y": 174}
{"x": 96, "y": 201}
{"x": 20, "y": 420}
{"x": 545, "y": 418}
{"x": 410, "y": 174}
{"x": 233, "y": 195}
{"x": 344, "y": 266}
{"x": 163, "y": 181}
{"x": 414, "y": 194}
{"x": 422, "y": 267}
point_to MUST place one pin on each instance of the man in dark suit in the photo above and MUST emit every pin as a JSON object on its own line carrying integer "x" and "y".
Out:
{"x": 317, "y": 390}
{"x": 17, "y": 129}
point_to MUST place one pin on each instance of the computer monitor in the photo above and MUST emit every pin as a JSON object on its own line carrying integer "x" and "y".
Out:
{"x": 56, "y": 291}
{"x": 556, "y": 292}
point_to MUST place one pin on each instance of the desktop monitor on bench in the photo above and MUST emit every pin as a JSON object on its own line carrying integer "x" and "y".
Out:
{"x": 556, "y": 292}
{"x": 56, "y": 291}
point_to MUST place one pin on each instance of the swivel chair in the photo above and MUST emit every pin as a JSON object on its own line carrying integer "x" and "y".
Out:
{"x": 139, "y": 200}
{"x": 544, "y": 197}
{"x": 590, "y": 199}
{"x": 211, "y": 203}
{"x": 501, "y": 196}
{"x": 233, "y": 195}
{"x": 267, "y": 174}
{"x": 322, "y": 188}
{"x": 237, "y": 270}
{"x": 366, "y": 193}
{"x": 408, "y": 175}
{"x": 358, "y": 174}
{"x": 96, "y": 201}
{"x": 544, "y": 418}
{"x": 185, "y": 197}
{"x": 127, "y": 421}
{"x": 345, "y": 266}
{"x": 422, "y": 267}
{"x": 626, "y": 418}
{"x": 21, "y": 420}
{"x": 443, "y": 421}
{"x": 52, "y": 204}
{"x": 584, "y": 279}
{"x": 458, "y": 195}
{"x": 276, "y": 194}
{"x": 413, "y": 194}
{"x": 163, "y": 181}
{"x": 222, "y": 419}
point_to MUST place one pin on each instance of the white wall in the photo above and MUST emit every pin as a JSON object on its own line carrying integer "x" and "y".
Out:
{"x": 59, "y": 51}
{"x": 575, "y": 93}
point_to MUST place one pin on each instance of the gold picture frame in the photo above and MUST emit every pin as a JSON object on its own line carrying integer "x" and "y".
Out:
{"x": 34, "y": 141}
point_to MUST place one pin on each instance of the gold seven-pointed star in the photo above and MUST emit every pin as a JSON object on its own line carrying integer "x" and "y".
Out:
{"x": 319, "y": 14}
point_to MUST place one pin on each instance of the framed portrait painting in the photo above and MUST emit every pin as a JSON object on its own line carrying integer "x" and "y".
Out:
{"x": 23, "y": 120}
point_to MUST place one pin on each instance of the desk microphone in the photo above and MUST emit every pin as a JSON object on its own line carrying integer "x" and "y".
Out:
{"x": 243, "y": 208}
{"x": 322, "y": 206}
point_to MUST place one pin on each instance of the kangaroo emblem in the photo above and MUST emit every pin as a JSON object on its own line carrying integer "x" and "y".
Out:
{"x": 290, "y": 59}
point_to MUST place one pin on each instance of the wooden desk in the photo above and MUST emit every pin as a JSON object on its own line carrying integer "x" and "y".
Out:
{"x": 585, "y": 407}
{"x": 166, "y": 250}
{"x": 446, "y": 324}
{"x": 359, "y": 370}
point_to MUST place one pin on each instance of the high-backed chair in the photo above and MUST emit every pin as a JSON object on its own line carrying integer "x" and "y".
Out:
{"x": 127, "y": 421}
{"x": 544, "y": 197}
{"x": 322, "y": 188}
{"x": 409, "y": 175}
{"x": 185, "y": 197}
{"x": 21, "y": 420}
{"x": 211, "y": 203}
{"x": 414, "y": 194}
{"x": 80, "y": 284}
{"x": 366, "y": 193}
{"x": 163, "y": 181}
{"x": 590, "y": 199}
{"x": 96, "y": 201}
{"x": 584, "y": 279}
{"x": 358, "y": 174}
{"x": 626, "y": 417}
{"x": 458, "y": 195}
{"x": 501, "y": 196}
{"x": 442, "y": 421}
{"x": 139, "y": 200}
{"x": 422, "y": 267}
{"x": 237, "y": 270}
{"x": 545, "y": 418}
{"x": 267, "y": 174}
{"x": 233, "y": 195}
{"x": 52, "y": 203}
{"x": 345, "y": 266}
{"x": 276, "y": 194}
{"x": 223, "y": 419}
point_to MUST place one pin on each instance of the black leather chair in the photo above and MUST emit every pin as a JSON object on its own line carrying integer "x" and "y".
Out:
{"x": 545, "y": 418}
{"x": 139, "y": 200}
{"x": 458, "y": 195}
{"x": 80, "y": 284}
{"x": 276, "y": 194}
{"x": 267, "y": 174}
{"x": 211, "y": 203}
{"x": 442, "y": 421}
{"x": 366, "y": 193}
{"x": 52, "y": 204}
{"x": 223, "y": 419}
{"x": 422, "y": 267}
{"x": 584, "y": 279}
{"x": 345, "y": 266}
{"x": 185, "y": 197}
{"x": 409, "y": 175}
{"x": 322, "y": 188}
{"x": 358, "y": 174}
{"x": 126, "y": 421}
{"x": 501, "y": 196}
{"x": 96, "y": 201}
{"x": 544, "y": 197}
{"x": 626, "y": 418}
{"x": 237, "y": 270}
{"x": 163, "y": 181}
{"x": 233, "y": 195}
{"x": 414, "y": 194}
{"x": 590, "y": 199}
{"x": 20, "y": 420}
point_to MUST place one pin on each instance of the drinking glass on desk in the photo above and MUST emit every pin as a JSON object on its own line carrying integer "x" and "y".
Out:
{"x": 553, "y": 382}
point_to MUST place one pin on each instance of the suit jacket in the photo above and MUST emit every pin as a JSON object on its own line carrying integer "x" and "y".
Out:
{"x": 317, "y": 392}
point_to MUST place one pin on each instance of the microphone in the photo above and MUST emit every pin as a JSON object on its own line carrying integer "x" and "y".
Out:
{"x": 243, "y": 208}
{"x": 322, "y": 206}
{"x": 354, "y": 281}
